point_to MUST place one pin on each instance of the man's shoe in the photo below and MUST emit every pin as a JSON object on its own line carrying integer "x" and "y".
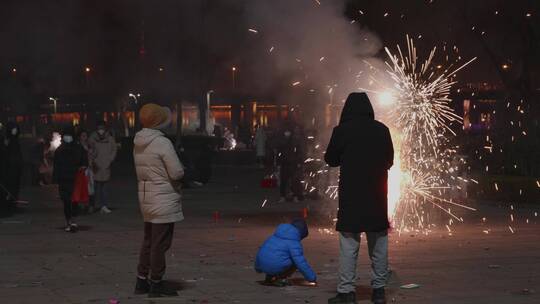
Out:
{"x": 142, "y": 286}
{"x": 343, "y": 298}
{"x": 105, "y": 210}
{"x": 378, "y": 296}
{"x": 158, "y": 290}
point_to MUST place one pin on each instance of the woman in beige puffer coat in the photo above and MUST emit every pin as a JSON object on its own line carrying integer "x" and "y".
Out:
{"x": 158, "y": 173}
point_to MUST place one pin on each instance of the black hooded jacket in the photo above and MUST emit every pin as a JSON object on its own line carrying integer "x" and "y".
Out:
{"x": 362, "y": 148}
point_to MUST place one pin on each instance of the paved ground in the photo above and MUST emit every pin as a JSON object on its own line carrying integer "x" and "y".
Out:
{"x": 212, "y": 262}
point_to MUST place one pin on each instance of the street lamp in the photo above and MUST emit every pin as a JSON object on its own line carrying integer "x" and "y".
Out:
{"x": 55, "y": 101}
{"x": 205, "y": 117}
{"x": 234, "y": 77}
{"x": 87, "y": 71}
{"x": 136, "y": 110}
{"x": 135, "y": 97}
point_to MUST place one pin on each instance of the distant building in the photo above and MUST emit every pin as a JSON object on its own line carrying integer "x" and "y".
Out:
{"x": 477, "y": 105}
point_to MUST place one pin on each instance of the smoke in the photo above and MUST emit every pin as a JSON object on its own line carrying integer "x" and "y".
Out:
{"x": 315, "y": 51}
{"x": 190, "y": 47}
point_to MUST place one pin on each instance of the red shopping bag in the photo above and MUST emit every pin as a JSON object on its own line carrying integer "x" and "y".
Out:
{"x": 80, "y": 190}
{"x": 269, "y": 182}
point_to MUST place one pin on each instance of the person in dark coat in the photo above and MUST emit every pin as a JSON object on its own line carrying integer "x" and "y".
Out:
{"x": 68, "y": 159}
{"x": 12, "y": 164}
{"x": 362, "y": 147}
{"x": 290, "y": 157}
{"x": 282, "y": 254}
{"x": 3, "y": 193}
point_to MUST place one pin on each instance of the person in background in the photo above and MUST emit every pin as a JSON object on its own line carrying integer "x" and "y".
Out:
{"x": 68, "y": 159}
{"x": 362, "y": 147}
{"x": 3, "y": 193}
{"x": 289, "y": 158}
{"x": 12, "y": 165}
{"x": 297, "y": 187}
{"x": 159, "y": 175}
{"x": 83, "y": 140}
{"x": 36, "y": 160}
{"x": 260, "y": 146}
{"x": 244, "y": 136}
{"x": 282, "y": 254}
{"x": 46, "y": 167}
{"x": 104, "y": 148}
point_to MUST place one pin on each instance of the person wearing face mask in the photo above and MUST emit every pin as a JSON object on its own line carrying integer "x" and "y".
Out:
{"x": 12, "y": 163}
{"x": 104, "y": 152}
{"x": 68, "y": 159}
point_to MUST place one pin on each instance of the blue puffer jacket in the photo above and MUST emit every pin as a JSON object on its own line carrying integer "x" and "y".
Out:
{"x": 283, "y": 250}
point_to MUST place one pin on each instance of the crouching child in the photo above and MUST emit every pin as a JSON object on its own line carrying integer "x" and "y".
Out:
{"x": 282, "y": 254}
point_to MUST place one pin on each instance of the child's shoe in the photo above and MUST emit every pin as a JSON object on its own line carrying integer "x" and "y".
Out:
{"x": 277, "y": 282}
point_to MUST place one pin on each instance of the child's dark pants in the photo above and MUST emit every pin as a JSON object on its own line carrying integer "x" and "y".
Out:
{"x": 157, "y": 240}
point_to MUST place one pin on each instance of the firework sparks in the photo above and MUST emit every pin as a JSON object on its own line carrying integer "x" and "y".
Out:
{"x": 422, "y": 96}
{"x": 426, "y": 166}
{"x": 424, "y": 172}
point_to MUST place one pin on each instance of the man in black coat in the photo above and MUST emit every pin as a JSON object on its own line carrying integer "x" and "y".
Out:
{"x": 362, "y": 148}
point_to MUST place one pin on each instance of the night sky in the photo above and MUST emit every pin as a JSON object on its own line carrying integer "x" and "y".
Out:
{"x": 182, "y": 48}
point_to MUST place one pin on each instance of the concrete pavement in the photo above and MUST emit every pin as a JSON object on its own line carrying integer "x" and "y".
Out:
{"x": 213, "y": 262}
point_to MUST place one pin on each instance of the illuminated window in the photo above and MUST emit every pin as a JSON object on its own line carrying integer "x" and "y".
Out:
{"x": 466, "y": 114}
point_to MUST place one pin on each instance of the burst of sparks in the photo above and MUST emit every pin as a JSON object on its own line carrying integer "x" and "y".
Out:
{"x": 423, "y": 102}
{"x": 422, "y": 115}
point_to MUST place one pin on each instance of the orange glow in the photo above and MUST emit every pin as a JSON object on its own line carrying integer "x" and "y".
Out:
{"x": 65, "y": 118}
{"x": 466, "y": 114}
{"x": 220, "y": 107}
{"x": 396, "y": 177}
